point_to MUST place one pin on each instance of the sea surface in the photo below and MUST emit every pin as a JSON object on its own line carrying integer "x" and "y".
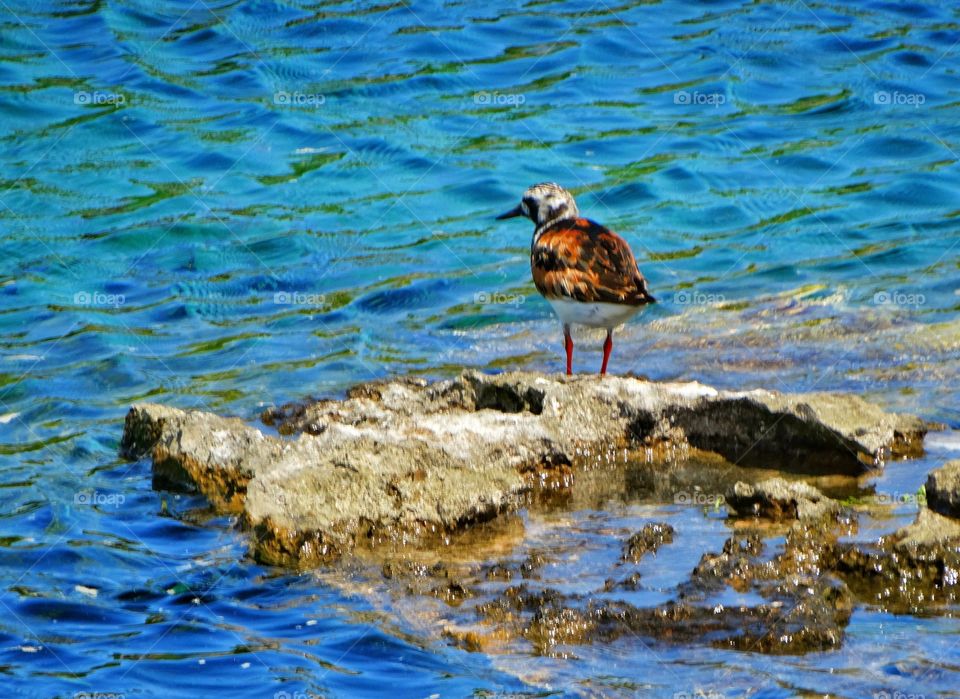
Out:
{"x": 231, "y": 205}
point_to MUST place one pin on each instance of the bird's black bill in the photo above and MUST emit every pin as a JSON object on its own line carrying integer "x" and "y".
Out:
{"x": 513, "y": 213}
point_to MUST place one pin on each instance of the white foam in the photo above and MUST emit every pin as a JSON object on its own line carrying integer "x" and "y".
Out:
{"x": 942, "y": 441}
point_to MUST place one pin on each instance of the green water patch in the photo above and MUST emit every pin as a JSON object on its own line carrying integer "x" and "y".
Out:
{"x": 178, "y": 32}
{"x": 713, "y": 16}
{"x": 45, "y": 83}
{"x": 805, "y": 105}
{"x": 514, "y": 53}
{"x": 161, "y": 192}
{"x": 936, "y": 165}
{"x": 489, "y": 142}
{"x": 290, "y": 366}
{"x": 805, "y": 145}
{"x": 606, "y": 10}
{"x": 734, "y": 306}
{"x": 675, "y": 254}
{"x": 382, "y": 8}
{"x": 99, "y": 166}
{"x": 542, "y": 83}
{"x": 219, "y": 344}
{"x": 670, "y": 87}
{"x": 852, "y": 188}
{"x": 9, "y": 449}
{"x": 518, "y": 361}
{"x": 224, "y": 135}
{"x": 32, "y": 185}
{"x": 437, "y": 237}
{"x": 329, "y": 333}
{"x": 299, "y": 168}
{"x": 431, "y": 29}
{"x": 603, "y": 135}
{"x": 891, "y": 32}
{"x": 788, "y": 216}
{"x": 25, "y": 58}
{"x": 91, "y": 113}
{"x": 702, "y": 34}
{"x": 639, "y": 168}
{"x": 476, "y": 320}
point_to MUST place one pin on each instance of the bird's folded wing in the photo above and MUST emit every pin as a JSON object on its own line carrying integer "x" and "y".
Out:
{"x": 582, "y": 260}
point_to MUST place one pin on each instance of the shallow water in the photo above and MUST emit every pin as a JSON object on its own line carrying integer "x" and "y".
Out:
{"x": 228, "y": 205}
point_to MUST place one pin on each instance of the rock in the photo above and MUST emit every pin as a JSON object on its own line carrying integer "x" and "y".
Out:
{"x": 916, "y": 570}
{"x": 803, "y": 433}
{"x": 198, "y": 450}
{"x": 779, "y": 499}
{"x": 406, "y": 461}
{"x": 631, "y": 582}
{"x": 798, "y": 619}
{"x": 943, "y": 489}
{"x": 928, "y": 531}
{"x": 647, "y": 540}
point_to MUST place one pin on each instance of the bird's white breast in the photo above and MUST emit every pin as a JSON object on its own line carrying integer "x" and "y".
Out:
{"x": 594, "y": 315}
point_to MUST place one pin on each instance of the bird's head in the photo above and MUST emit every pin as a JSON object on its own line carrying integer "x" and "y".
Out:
{"x": 544, "y": 204}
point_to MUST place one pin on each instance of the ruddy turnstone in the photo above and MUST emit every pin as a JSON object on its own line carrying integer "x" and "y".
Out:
{"x": 586, "y": 271}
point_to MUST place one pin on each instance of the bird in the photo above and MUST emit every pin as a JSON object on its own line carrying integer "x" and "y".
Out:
{"x": 584, "y": 270}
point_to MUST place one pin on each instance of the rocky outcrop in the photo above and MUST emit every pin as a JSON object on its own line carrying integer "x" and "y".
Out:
{"x": 410, "y": 461}
{"x": 399, "y": 465}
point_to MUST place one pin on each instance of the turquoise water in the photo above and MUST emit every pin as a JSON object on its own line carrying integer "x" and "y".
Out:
{"x": 228, "y": 205}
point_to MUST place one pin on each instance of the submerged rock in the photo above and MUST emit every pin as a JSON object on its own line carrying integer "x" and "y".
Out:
{"x": 914, "y": 571}
{"x": 647, "y": 540}
{"x": 801, "y": 610}
{"x": 406, "y": 461}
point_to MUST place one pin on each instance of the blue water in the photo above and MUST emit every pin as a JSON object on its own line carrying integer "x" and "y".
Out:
{"x": 229, "y": 205}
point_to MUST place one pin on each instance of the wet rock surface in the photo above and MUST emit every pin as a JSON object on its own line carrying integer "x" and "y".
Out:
{"x": 942, "y": 489}
{"x": 647, "y": 540}
{"x": 401, "y": 474}
{"x": 778, "y": 499}
{"x": 915, "y": 570}
{"x": 407, "y": 460}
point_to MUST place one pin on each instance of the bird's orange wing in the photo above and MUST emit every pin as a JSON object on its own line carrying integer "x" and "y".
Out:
{"x": 581, "y": 260}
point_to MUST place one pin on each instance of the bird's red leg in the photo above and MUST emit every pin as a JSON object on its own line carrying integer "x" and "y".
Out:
{"x": 568, "y": 345}
{"x": 607, "y": 348}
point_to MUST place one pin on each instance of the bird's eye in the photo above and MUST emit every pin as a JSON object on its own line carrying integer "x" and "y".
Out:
{"x": 529, "y": 203}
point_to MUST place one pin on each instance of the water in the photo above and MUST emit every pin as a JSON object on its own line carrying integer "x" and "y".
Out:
{"x": 228, "y": 205}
